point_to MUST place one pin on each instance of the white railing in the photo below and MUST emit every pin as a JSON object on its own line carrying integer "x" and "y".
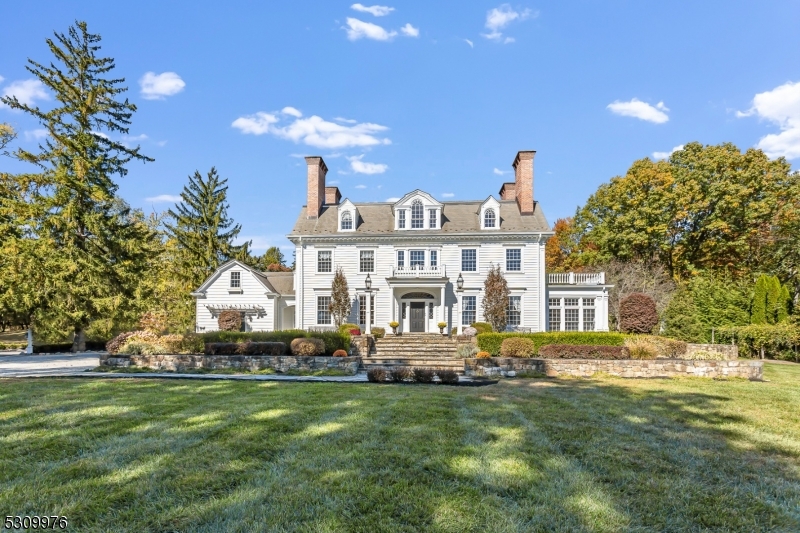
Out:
{"x": 577, "y": 278}
{"x": 419, "y": 272}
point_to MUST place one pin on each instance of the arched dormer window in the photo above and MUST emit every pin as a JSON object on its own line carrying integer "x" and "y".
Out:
{"x": 347, "y": 220}
{"x": 489, "y": 219}
{"x": 417, "y": 215}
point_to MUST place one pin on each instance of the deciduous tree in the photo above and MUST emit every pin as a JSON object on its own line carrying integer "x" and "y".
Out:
{"x": 340, "y": 305}
{"x": 495, "y": 298}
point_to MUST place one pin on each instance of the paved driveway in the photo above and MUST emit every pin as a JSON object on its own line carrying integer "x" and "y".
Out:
{"x": 46, "y": 365}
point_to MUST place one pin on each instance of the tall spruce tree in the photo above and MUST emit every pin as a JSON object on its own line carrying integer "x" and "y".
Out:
{"x": 83, "y": 240}
{"x": 758, "y": 314}
{"x": 202, "y": 230}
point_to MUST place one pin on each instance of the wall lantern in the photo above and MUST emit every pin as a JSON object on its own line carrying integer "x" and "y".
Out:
{"x": 368, "y": 282}
{"x": 460, "y": 281}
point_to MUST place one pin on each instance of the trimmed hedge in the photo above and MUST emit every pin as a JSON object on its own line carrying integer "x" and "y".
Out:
{"x": 582, "y": 351}
{"x": 95, "y": 346}
{"x": 482, "y": 327}
{"x": 245, "y": 348}
{"x": 333, "y": 339}
{"x": 491, "y": 342}
{"x": 517, "y": 347}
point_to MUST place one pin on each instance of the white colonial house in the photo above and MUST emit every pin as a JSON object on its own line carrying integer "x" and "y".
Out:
{"x": 417, "y": 261}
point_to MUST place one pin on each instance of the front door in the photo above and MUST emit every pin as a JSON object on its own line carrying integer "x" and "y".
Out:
{"x": 417, "y": 317}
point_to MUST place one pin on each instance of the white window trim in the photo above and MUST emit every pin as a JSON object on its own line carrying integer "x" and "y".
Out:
{"x": 316, "y": 308}
{"x": 477, "y": 259}
{"x": 316, "y": 260}
{"x": 521, "y": 259}
{"x": 374, "y": 260}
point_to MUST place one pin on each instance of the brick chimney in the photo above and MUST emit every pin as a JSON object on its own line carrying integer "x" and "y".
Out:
{"x": 507, "y": 191}
{"x": 332, "y": 196}
{"x": 523, "y": 181}
{"x": 316, "y": 185}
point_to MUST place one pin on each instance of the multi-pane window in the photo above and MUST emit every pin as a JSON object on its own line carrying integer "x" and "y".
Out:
{"x": 401, "y": 258}
{"x": 489, "y": 218}
{"x": 362, "y": 310}
{"x": 416, "y": 258}
{"x": 323, "y": 310}
{"x": 514, "y": 311}
{"x": 588, "y": 314}
{"x": 367, "y": 262}
{"x": 401, "y": 219}
{"x": 468, "y": 304}
{"x": 236, "y": 280}
{"x": 469, "y": 260}
{"x": 554, "y": 314}
{"x": 433, "y": 219}
{"x": 324, "y": 261}
{"x": 417, "y": 215}
{"x": 430, "y": 311}
{"x": 434, "y": 258}
{"x": 513, "y": 259}
{"x": 347, "y": 220}
{"x": 571, "y": 313}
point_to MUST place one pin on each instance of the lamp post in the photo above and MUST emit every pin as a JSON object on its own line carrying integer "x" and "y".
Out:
{"x": 459, "y": 291}
{"x": 368, "y": 285}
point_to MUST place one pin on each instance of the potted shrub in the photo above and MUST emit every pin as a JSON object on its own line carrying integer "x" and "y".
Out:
{"x": 394, "y": 325}
{"x": 442, "y": 325}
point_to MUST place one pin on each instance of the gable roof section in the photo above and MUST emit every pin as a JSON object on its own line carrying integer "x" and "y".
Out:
{"x": 457, "y": 217}
{"x": 262, "y": 277}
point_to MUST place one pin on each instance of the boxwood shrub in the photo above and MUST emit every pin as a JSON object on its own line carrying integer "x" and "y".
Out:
{"x": 582, "y": 351}
{"x": 491, "y": 342}
{"x": 333, "y": 340}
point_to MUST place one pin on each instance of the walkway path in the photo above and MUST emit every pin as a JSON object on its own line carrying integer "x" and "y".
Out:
{"x": 23, "y": 365}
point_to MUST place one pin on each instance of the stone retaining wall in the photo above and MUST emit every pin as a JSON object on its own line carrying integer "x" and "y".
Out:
{"x": 626, "y": 368}
{"x": 362, "y": 345}
{"x": 279, "y": 363}
{"x": 730, "y": 351}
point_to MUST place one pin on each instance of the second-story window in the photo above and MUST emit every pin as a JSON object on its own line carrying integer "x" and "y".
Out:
{"x": 434, "y": 259}
{"x": 469, "y": 260}
{"x": 401, "y": 219}
{"x": 324, "y": 261}
{"x": 417, "y": 215}
{"x": 401, "y": 258}
{"x": 236, "y": 280}
{"x": 433, "y": 220}
{"x": 513, "y": 259}
{"x": 416, "y": 258}
{"x": 347, "y": 220}
{"x": 489, "y": 218}
{"x": 367, "y": 263}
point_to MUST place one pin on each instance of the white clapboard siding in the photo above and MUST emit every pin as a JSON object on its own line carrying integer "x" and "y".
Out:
{"x": 253, "y": 293}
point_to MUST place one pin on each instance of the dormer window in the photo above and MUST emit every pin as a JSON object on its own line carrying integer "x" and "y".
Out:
{"x": 401, "y": 219}
{"x": 417, "y": 215}
{"x": 433, "y": 221}
{"x": 347, "y": 220}
{"x": 489, "y": 219}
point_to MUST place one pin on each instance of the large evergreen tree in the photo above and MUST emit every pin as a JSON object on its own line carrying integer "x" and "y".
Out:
{"x": 82, "y": 238}
{"x": 202, "y": 230}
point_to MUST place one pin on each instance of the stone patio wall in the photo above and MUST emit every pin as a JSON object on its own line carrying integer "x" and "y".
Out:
{"x": 626, "y": 368}
{"x": 279, "y": 363}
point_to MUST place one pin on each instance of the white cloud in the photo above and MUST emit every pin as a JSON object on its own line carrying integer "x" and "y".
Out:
{"x": 393, "y": 199}
{"x": 360, "y": 186}
{"x": 26, "y": 91}
{"x": 288, "y": 110}
{"x": 641, "y": 110}
{"x": 358, "y": 29}
{"x": 164, "y": 198}
{"x": 509, "y": 40}
{"x": 158, "y": 86}
{"x": 100, "y": 134}
{"x": 377, "y": 11}
{"x": 410, "y": 31}
{"x": 35, "y": 135}
{"x": 333, "y": 182}
{"x": 141, "y": 137}
{"x": 469, "y": 43}
{"x": 448, "y": 194}
{"x": 361, "y": 167}
{"x": 665, "y": 155}
{"x": 162, "y": 143}
{"x": 1, "y": 79}
{"x": 345, "y": 120}
{"x": 313, "y": 131}
{"x": 500, "y": 17}
{"x": 499, "y": 172}
{"x": 780, "y": 106}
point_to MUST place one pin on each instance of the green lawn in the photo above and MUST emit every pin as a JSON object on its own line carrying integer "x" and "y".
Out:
{"x": 524, "y": 455}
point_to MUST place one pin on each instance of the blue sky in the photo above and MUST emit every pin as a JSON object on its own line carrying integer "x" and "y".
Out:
{"x": 437, "y": 96}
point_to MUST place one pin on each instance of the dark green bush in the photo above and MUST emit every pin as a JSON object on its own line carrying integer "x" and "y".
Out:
{"x": 482, "y": 327}
{"x": 379, "y": 375}
{"x": 491, "y": 342}
{"x": 423, "y": 375}
{"x": 402, "y": 374}
{"x": 333, "y": 339}
{"x": 95, "y": 346}
{"x": 582, "y": 351}
{"x": 448, "y": 377}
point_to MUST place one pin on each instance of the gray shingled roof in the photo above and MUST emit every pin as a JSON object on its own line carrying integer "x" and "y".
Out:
{"x": 280, "y": 282}
{"x": 457, "y": 217}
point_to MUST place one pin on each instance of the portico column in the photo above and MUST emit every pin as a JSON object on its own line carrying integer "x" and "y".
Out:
{"x": 458, "y": 311}
{"x": 369, "y": 313}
